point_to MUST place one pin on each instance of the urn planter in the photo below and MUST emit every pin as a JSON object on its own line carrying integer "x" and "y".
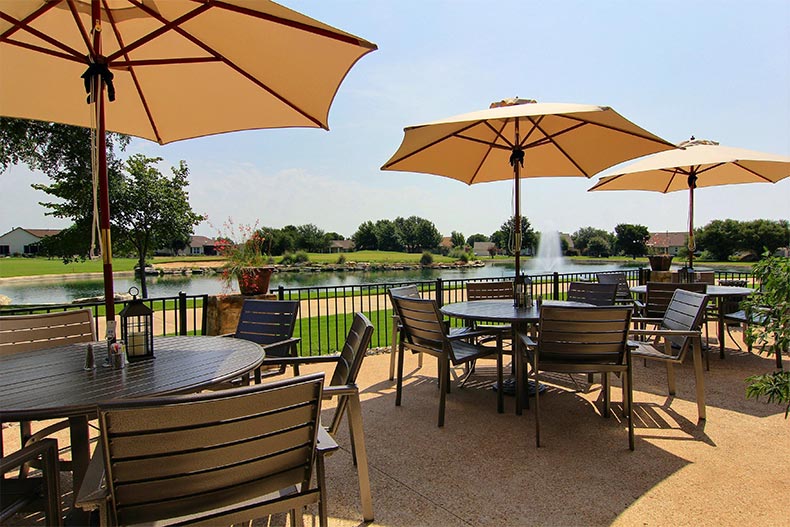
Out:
{"x": 254, "y": 280}
{"x": 660, "y": 262}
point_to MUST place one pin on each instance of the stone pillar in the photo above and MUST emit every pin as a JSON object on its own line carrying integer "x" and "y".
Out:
{"x": 223, "y": 311}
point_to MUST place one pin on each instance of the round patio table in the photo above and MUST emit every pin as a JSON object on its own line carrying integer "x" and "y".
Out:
{"x": 53, "y": 384}
{"x": 716, "y": 292}
{"x": 520, "y": 318}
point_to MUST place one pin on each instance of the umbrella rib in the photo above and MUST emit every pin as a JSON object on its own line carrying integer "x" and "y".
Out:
{"x": 24, "y": 25}
{"x": 429, "y": 145}
{"x": 83, "y": 32}
{"x": 175, "y": 26}
{"x": 749, "y": 170}
{"x": 491, "y": 145}
{"x": 348, "y": 39}
{"x": 135, "y": 80}
{"x": 649, "y": 137}
{"x": 550, "y": 138}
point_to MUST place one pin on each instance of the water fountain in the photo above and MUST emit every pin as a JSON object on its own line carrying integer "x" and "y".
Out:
{"x": 549, "y": 257}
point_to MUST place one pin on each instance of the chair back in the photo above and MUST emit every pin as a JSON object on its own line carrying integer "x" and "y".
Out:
{"x": 502, "y": 289}
{"x": 583, "y": 337}
{"x": 170, "y": 456}
{"x": 593, "y": 293}
{"x": 353, "y": 352}
{"x": 421, "y": 323}
{"x": 685, "y": 311}
{"x": 659, "y": 295}
{"x": 267, "y": 321}
{"x": 623, "y": 289}
{"x": 21, "y": 333}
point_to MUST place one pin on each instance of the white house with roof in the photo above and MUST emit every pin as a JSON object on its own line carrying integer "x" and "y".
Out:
{"x": 23, "y": 241}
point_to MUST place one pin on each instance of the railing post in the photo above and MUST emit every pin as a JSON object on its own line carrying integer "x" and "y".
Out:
{"x": 556, "y": 286}
{"x": 204, "y": 318}
{"x": 182, "y": 313}
{"x": 281, "y": 293}
{"x": 439, "y": 292}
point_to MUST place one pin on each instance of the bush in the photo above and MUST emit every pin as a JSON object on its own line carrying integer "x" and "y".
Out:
{"x": 287, "y": 259}
{"x": 461, "y": 253}
{"x": 426, "y": 258}
{"x": 301, "y": 257}
{"x": 341, "y": 259}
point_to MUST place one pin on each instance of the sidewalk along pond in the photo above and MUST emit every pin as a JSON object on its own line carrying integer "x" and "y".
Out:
{"x": 64, "y": 290}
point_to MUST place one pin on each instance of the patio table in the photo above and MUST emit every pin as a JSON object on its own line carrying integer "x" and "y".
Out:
{"x": 520, "y": 318}
{"x": 53, "y": 384}
{"x": 716, "y": 292}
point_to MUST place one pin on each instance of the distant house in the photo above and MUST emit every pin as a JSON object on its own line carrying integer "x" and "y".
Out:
{"x": 446, "y": 243}
{"x": 202, "y": 246}
{"x": 667, "y": 242}
{"x": 341, "y": 246}
{"x": 23, "y": 241}
{"x": 482, "y": 248}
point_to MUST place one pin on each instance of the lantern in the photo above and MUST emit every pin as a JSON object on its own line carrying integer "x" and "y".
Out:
{"x": 137, "y": 328}
{"x": 522, "y": 291}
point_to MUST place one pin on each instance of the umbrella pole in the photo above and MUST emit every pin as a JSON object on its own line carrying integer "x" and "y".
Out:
{"x": 104, "y": 193}
{"x": 692, "y": 246}
{"x": 517, "y": 222}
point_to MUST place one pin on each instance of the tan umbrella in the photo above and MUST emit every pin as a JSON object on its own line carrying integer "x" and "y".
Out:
{"x": 518, "y": 138}
{"x": 172, "y": 70}
{"x": 696, "y": 163}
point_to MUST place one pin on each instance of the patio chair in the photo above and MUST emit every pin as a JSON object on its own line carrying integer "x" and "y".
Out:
{"x": 25, "y": 494}
{"x": 270, "y": 323}
{"x": 26, "y": 333}
{"x": 583, "y": 340}
{"x": 343, "y": 385}
{"x": 408, "y": 291}
{"x": 593, "y": 293}
{"x": 623, "y": 295}
{"x": 214, "y": 458}
{"x": 659, "y": 294}
{"x": 677, "y": 331}
{"x": 424, "y": 330}
{"x": 498, "y": 290}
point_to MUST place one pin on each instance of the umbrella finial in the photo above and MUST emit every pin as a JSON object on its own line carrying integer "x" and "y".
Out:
{"x": 513, "y": 101}
{"x": 695, "y": 142}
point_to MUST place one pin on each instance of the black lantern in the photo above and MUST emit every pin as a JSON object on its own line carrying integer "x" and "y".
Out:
{"x": 522, "y": 291}
{"x": 137, "y": 328}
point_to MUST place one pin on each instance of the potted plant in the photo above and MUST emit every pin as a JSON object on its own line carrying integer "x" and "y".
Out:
{"x": 246, "y": 261}
{"x": 660, "y": 261}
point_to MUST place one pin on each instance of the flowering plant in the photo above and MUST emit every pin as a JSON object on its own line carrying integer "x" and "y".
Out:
{"x": 243, "y": 247}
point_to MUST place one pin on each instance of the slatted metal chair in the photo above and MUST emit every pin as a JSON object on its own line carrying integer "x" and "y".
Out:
{"x": 678, "y": 331}
{"x": 25, "y": 333}
{"x": 583, "y": 340}
{"x": 597, "y": 294}
{"x": 270, "y": 323}
{"x": 623, "y": 295}
{"x": 25, "y": 494}
{"x": 343, "y": 385}
{"x": 659, "y": 294}
{"x": 211, "y": 458}
{"x": 424, "y": 331}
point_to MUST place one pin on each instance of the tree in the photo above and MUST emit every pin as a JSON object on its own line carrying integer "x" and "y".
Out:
{"x": 631, "y": 240}
{"x": 152, "y": 210}
{"x": 387, "y": 236}
{"x": 721, "y": 238}
{"x": 581, "y": 238}
{"x": 759, "y": 236}
{"x": 476, "y": 238}
{"x": 503, "y": 238}
{"x": 311, "y": 239}
{"x": 417, "y": 234}
{"x": 365, "y": 238}
{"x": 457, "y": 239}
{"x": 598, "y": 246}
{"x": 63, "y": 153}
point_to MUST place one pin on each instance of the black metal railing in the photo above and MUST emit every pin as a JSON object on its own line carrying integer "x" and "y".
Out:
{"x": 326, "y": 312}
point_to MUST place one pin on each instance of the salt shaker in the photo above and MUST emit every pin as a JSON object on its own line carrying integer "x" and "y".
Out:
{"x": 90, "y": 361}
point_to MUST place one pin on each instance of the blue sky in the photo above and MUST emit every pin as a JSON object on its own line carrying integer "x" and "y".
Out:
{"x": 717, "y": 70}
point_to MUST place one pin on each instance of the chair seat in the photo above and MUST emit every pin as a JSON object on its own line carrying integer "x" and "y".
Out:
{"x": 465, "y": 352}
{"x": 741, "y": 317}
{"x": 646, "y": 350}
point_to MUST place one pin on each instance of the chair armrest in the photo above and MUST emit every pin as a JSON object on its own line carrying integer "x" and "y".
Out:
{"x": 281, "y": 343}
{"x": 465, "y": 333}
{"x": 93, "y": 493}
{"x": 527, "y": 340}
{"x": 667, "y": 332}
{"x": 46, "y": 449}
{"x": 290, "y": 361}
{"x": 325, "y": 444}
{"x": 231, "y": 335}
{"x": 341, "y": 389}
{"x": 647, "y": 320}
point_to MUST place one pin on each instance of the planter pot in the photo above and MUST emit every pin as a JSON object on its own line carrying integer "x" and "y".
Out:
{"x": 254, "y": 280}
{"x": 660, "y": 262}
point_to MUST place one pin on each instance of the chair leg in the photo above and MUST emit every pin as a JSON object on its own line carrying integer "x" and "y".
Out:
{"x": 321, "y": 477}
{"x": 399, "y": 384}
{"x": 607, "y": 393}
{"x": 393, "y": 351}
{"x": 358, "y": 442}
{"x": 444, "y": 377}
{"x": 500, "y": 398}
{"x": 628, "y": 389}
{"x": 699, "y": 378}
{"x": 671, "y": 377}
{"x": 537, "y": 408}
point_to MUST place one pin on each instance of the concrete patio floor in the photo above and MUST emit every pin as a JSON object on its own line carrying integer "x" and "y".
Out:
{"x": 483, "y": 469}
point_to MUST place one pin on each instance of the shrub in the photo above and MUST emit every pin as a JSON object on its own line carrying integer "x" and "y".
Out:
{"x": 287, "y": 259}
{"x": 426, "y": 258}
{"x": 301, "y": 257}
{"x": 341, "y": 259}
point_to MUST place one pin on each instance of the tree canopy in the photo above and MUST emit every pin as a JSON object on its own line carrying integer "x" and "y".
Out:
{"x": 631, "y": 240}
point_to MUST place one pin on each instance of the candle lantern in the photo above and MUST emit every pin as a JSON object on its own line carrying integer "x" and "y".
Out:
{"x": 522, "y": 291}
{"x": 137, "y": 328}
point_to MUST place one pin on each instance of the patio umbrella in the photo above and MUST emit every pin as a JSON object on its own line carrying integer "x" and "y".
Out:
{"x": 171, "y": 69}
{"x": 696, "y": 163}
{"x": 520, "y": 138}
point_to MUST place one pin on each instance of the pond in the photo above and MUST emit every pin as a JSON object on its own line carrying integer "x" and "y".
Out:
{"x": 63, "y": 290}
